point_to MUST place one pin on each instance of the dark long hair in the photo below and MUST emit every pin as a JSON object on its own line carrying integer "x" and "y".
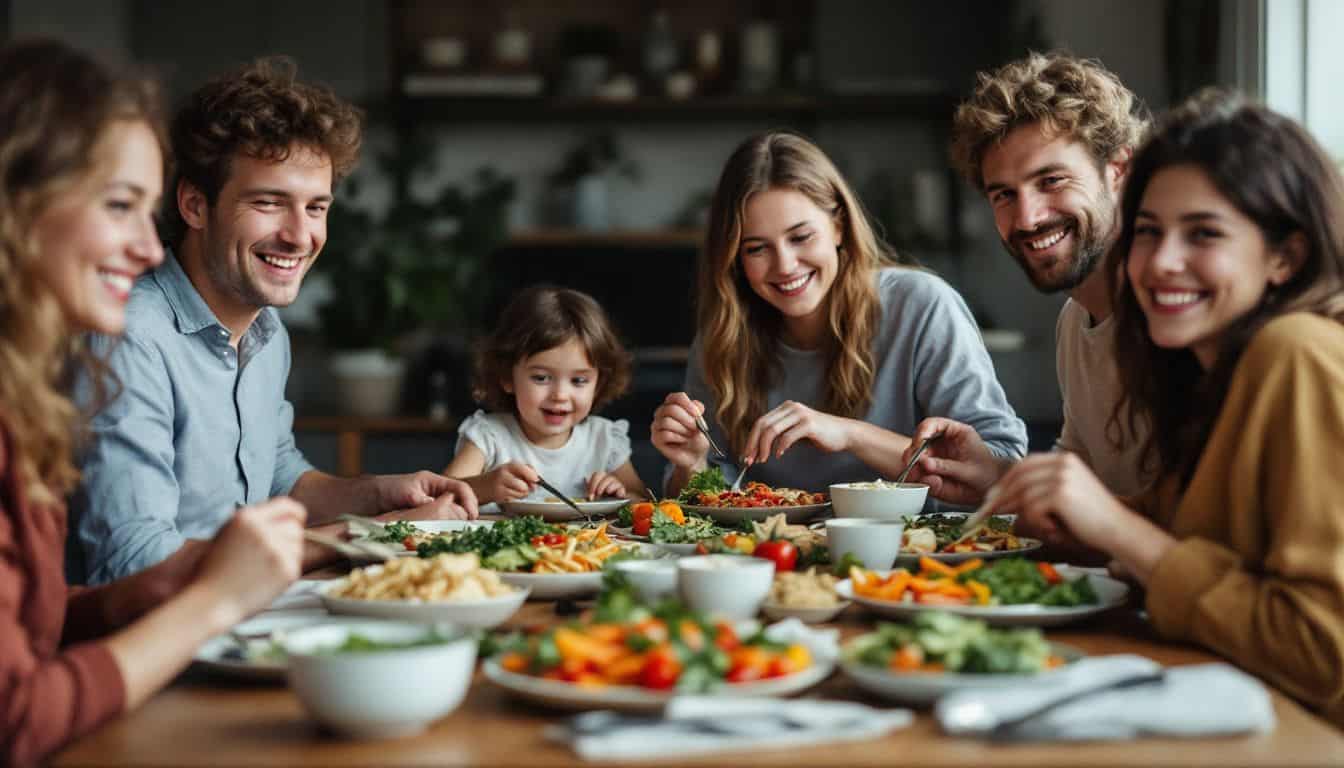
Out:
{"x": 1275, "y": 174}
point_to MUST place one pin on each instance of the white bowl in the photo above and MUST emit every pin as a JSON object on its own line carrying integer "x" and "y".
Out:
{"x": 726, "y": 586}
{"x": 652, "y": 579}
{"x": 379, "y": 694}
{"x": 874, "y": 542}
{"x": 891, "y": 502}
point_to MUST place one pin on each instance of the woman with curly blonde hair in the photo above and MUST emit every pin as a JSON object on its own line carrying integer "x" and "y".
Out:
{"x": 81, "y": 171}
{"x": 816, "y": 353}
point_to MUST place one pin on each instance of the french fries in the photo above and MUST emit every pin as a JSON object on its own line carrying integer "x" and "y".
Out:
{"x": 584, "y": 551}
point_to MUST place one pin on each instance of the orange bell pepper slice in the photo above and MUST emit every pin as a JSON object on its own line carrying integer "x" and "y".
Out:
{"x": 928, "y": 565}
{"x": 970, "y": 565}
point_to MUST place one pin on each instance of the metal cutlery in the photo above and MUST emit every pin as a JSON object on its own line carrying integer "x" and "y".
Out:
{"x": 737, "y": 484}
{"x": 703, "y": 426}
{"x": 1014, "y": 728}
{"x": 918, "y": 452}
{"x": 356, "y": 549}
{"x": 553, "y": 490}
{"x": 977, "y": 520}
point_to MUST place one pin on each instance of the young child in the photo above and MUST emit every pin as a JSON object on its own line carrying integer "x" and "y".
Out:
{"x": 552, "y": 361}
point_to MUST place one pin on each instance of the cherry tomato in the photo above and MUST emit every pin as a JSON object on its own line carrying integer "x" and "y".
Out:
{"x": 409, "y": 543}
{"x": 725, "y": 637}
{"x": 661, "y": 670}
{"x": 742, "y": 674}
{"x": 642, "y": 518}
{"x": 1048, "y": 571}
{"x": 783, "y": 553}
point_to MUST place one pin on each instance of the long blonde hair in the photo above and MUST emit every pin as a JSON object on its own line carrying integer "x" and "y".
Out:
{"x": 740, "y": 332}
{"x": 55, "y": 107}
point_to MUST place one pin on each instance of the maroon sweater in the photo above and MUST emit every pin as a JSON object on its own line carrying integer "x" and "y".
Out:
{"x": 49, "y": 694}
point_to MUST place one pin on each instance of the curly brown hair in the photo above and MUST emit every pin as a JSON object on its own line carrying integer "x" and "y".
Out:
{"x": 543, "y": 317}
{"x": 261, "y": 111}
{"x": 1068, "y": 95}
{"x": 1273, "y": 171}
{"x": 56, "y": 106}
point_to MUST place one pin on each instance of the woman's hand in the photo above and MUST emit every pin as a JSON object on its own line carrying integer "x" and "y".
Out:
{"x": 514, "y": 480}
{"x": 675, "y": 434}
{"x": 1059, "y": 500}
{"x": 424, "y": 496}
{"x": 958, "y": 468}
{"x": 777, "y": 431}
{"x": 601, "y": 484}
{"x": 254, "y": 556}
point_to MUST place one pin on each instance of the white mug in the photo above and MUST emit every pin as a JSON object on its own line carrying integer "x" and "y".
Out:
{"x": 875, "y": 542}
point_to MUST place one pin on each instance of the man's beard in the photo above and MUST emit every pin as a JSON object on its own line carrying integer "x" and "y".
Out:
{"x": 1090, "y": 248}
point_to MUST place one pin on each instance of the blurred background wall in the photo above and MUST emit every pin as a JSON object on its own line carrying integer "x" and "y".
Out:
{"x": 649, "y": 98}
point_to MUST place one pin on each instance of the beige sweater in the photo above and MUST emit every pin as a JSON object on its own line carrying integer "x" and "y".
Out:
{"x": 1258, "y": 574}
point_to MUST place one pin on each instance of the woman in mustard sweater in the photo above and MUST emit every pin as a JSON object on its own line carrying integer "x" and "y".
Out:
{"x": 1230, "y": 295}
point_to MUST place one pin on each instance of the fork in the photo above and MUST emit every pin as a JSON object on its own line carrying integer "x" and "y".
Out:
{"x": 704, "y": 430}
{"x": 737, "y": 484}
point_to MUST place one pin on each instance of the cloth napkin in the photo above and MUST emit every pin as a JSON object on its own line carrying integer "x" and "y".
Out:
{"x": 701, "y": 725}
{"x": 1198, "y": 700}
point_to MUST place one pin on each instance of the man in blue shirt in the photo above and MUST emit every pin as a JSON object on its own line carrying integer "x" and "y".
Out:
{"x": 198, "y": 423}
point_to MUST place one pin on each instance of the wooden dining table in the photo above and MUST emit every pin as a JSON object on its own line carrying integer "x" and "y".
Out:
{"x": 212, "y": 721}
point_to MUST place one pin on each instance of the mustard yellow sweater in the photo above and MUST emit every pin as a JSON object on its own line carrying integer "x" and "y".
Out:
{"x": 1258, "y": 575}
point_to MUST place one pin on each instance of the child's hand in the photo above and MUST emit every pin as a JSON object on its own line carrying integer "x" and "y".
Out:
{"x": 511, "y": 481}
{"x": 605, "y": 484}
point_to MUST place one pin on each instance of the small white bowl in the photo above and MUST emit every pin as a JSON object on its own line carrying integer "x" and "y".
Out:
{"x": 890, "y": 502}
{"x": 379, "y": 694}
{"x": 726, "y": 586}
{"x": 652, "y": 579}
{"x": 777, "y": 612}
{"x": 876, "y": 543}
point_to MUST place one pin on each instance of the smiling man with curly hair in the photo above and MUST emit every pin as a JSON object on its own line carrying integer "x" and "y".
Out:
{"x": 1048, "y": 139}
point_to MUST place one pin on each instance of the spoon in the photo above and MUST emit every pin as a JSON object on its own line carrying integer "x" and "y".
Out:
{"x": 918, "y": 452}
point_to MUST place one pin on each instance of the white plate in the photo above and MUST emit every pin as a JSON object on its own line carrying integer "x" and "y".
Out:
{"x": 680, "y": 549}
{"x": 560, "y": 586}
{"x": 476, "y": 614}
{"x": 216, "y": 654}
{"x": 560, "y": 512}
{"x": 1110, "y": 593}
{"x": 734, "y": 515}
{"x": 927, "y": 687}
{"x": 627, "y": 533}
{"x": 910, "y": 559}
{"x": 629, "y": 698}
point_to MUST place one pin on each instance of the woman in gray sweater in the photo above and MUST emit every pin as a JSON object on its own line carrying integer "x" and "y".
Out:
{"x": 816, "y": 354}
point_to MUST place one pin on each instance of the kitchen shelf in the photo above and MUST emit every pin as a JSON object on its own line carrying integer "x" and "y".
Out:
{"x": 616, "y": 238}
{"x": 921, "y": 105}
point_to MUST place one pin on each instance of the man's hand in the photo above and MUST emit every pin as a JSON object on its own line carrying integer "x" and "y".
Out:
{"x": 958, "y": 468}
{"x": 424, "y": 496}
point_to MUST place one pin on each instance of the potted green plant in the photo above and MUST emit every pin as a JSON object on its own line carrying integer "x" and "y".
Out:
{"x": 418, "y": 265}
{"x": 582, "y": 182}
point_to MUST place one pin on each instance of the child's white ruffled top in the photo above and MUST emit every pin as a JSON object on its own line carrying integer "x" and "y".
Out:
{"x": 595, "y": 445}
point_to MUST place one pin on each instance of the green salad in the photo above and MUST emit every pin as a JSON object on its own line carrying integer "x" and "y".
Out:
{"x": 942, "y": 642}
{"x": 1016, "y": 581}
{"x": 705, "y": 481}
{"x": 504, "y": 546}
{"x": 357, "y": 643}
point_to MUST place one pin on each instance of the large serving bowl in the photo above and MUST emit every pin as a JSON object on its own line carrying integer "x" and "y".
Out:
{"x": 725, "y": 586}
{"x": 379, "y": 693}
{"x": 879, "y": 500}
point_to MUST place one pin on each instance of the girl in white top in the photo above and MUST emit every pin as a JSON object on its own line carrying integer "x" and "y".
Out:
{"x": 552, "y": 361}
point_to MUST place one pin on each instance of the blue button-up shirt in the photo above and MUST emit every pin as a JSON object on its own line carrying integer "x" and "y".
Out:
{"x": 196, "y": 430}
